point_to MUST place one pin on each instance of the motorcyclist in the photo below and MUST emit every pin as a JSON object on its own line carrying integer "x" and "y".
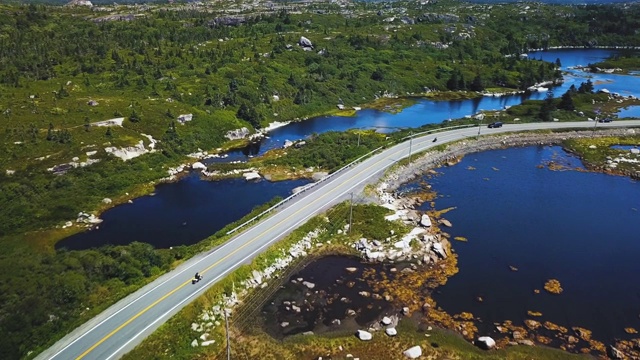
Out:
{"x": 198, "y": 276}
{"x": 435, "y": 139}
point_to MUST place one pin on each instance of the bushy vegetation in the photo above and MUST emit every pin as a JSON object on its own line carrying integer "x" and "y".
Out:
{"x": 64, "y": 69}
{"x": 43, "y": 295}
{"x": 331, "y": 150}
{"x": 625, "y": 62}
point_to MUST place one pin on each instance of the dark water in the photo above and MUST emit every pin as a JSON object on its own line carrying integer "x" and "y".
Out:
{"x": 580, "y": 228}
{"x": 324, "y": 303}
{"x": 431, "y": 111}
{"x": 180, "y": 213}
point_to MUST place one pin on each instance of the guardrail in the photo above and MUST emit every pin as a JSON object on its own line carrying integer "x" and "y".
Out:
{"x": 316, "y": 183}
{"x": 438, "y": 130}
{"x": 303, "y": 189}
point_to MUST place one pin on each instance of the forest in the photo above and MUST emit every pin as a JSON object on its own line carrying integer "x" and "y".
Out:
{"x": 65, "y": 69}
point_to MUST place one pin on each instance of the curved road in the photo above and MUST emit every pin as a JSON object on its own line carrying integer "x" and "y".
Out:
{"x": 125, "y": 324}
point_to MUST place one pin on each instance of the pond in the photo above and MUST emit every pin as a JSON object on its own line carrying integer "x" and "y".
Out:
{"x": 578, "y": 227}
{"x": 335, "y": 303}
{"x": 180, "y": 213}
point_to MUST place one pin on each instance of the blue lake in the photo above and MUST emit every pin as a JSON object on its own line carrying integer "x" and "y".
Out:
{"x": 432, "y": 111}
{"x": 180, "y": 213}
{"x": 630, "y": 112}
{"x": 578, "y": 227}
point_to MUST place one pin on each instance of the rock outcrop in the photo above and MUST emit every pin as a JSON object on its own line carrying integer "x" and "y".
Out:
{"x": 305, "y": 43}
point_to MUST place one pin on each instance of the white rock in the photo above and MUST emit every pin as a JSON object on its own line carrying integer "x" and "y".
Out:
{"x": 437, "y": 247}
{"x": 251, "y": 175}
{"x": 284, "y": 324}
{"x": 405, "y": 311}
{"x": 425, "y": 221}
{"x": 386, "y": 321}
{"x": 391, "y": 331}
{"x": 486, "y": 342}
{"x": 414, "y": 352}
{"x": 308, "y": 284}
{"x": 194, "y": 343}
{"x": 207, "y": 343}
{"x": 10, "y": 172}
{"x": 351, "y": 269}
{"x": 198, "y": 165}
{"x": 364, "y": 335}
{"x": 106, "y": 201}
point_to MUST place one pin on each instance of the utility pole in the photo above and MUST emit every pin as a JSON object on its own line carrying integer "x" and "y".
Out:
{"x": 226, "y": 324}
{"x": 358, "y": 139}
{"x": 410, "y": 144}
{"x": 479, "y": 126}
{"x": 351, "y": 213}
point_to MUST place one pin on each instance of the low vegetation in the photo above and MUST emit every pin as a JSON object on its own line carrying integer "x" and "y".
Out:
{"x": 65, "y": 69}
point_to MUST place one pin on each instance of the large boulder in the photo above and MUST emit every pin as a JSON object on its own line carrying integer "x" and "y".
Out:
{"x": 251, "y": 175}
{"x": 198, "y": 165}
{"x": 305, "y": 43}
{"x": 486, "y": 343}
{"x": 364, "y": 335}
{"x": 439, "y": 250}
{"x": 413, "y": 352}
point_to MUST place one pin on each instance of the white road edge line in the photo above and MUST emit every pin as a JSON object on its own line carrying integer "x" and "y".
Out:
{"x": 295, "y": 225}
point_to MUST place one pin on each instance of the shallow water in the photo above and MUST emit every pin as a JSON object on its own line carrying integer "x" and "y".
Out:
{"x": 324, "y": 303}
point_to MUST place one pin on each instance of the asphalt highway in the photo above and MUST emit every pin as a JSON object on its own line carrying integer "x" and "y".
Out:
{"x": 124, "y": 325}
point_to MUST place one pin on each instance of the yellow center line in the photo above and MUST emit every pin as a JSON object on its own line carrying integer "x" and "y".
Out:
{"x": 106, "y": 337}
{"x": 130, "y": 320}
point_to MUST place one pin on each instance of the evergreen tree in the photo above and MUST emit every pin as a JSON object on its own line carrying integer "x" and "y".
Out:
{"x": 477, "y": 84}
{"x": 135, "y": 117}
{"x": 547, "y": 108}
{"x": 566, "y": 102}
{"x": 586, "y": 87}
{"x": 249, "y": 114}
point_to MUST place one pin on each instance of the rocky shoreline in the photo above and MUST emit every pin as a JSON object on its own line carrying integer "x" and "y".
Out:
{"x": 424, "y": 250}
{"x": 454, "y": 152}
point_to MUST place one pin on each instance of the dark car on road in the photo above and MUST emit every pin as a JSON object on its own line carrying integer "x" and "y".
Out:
{"x": 606, "y": 120}
{"x": 496, "y": 124}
